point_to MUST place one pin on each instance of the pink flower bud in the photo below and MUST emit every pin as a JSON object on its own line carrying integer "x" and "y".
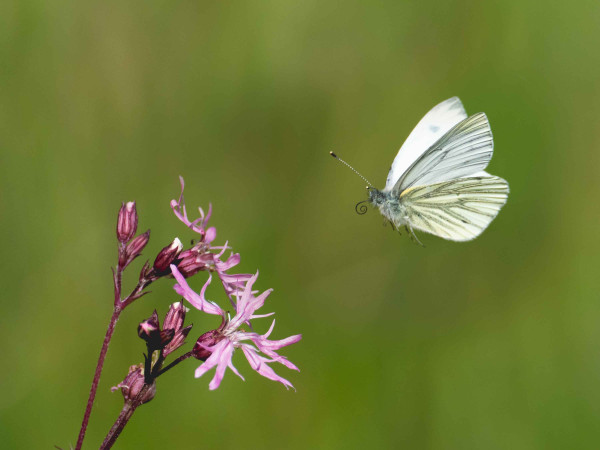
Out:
{"x": 134, "y": 249}
{"x": 133, "y": 383}
{"x": 167, "y": 256}
{"x": 208, "y": 339}
{"x": 127, "y": 222}
{"x": 192, "y": 261}
{"x": 149, "y": 327}
{"x": 149, "y": 330}
{"x": 178, "y": 340}
{"x": 175, "y": 317}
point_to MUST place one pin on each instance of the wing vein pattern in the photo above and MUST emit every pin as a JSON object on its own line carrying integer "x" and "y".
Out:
{"x": 428, "y": 131}
{"x": 465, "y": 150}
{"x": 459, "y": 209}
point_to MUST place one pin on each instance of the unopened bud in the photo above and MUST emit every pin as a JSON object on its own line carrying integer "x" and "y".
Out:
{"x": 175, "y": 317}
{"x": 177, "y": 341}
{"x": 127, "y": 222}
{"x": 192, "y": 262}
{"x": 134, "y": 249}
{"x": 149, "y": 328}
{"x": 208, "y": 339}
{"x": 133, "y": 383}
{"x": 167, "y": 256}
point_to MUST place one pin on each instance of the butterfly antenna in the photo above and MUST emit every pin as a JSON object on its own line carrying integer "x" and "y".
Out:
{"x": 350, "y": 167}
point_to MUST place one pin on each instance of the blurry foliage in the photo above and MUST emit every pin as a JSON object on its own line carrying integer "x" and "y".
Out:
{"x": 489, "y": 344}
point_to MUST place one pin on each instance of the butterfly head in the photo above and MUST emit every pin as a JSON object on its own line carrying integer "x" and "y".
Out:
{"x": 376, "y": 197}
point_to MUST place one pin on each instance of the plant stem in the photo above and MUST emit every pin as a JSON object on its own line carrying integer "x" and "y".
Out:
{"x": 90, "y": 402}
{"x": 126, "y": 413}
{"x": 119, "y": 305}
{"x": 174, "y": 363}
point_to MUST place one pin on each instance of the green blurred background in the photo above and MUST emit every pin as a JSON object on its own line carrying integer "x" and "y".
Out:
{"x": 490, "y": 344}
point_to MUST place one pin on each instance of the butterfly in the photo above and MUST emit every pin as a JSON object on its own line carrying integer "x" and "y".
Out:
{"x": 437, "y": 183}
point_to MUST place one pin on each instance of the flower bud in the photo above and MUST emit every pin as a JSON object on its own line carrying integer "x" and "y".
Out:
{"x": 133, "y": 384}
{"x": 167, "y": 256}
{"x": 192, "y": 262}
{"x": 149, "y": 328}
{"x": 177, "y": 341}
{"x": 127, "y": 222}
{"x": 134, "y": 249}
{"x": 208, "y": 339}
{"x": 175, "y": 317}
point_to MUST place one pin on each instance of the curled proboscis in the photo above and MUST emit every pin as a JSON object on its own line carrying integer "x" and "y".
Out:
{"x": 361, "y": 208}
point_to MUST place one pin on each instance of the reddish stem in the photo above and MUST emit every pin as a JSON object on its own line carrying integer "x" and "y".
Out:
{"x": 90, "y": 402}
{"x": 174, "y": 363}
{"x": 120, "y": 305}
{"x": 126, "y": 413}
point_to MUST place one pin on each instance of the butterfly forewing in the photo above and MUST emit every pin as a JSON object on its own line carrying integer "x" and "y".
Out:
{"x": 465, "y": 150}
{"x": 438, "y": 121}
{"x": 459, "y": 209}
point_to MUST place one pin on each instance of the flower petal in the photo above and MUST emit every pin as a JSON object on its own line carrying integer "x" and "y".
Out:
{"x": 212, "y": 360}
{"x": 259, "y": 364}
{"x": 233, "y": 260}
{"x": 224, "y": 362}
{"x": 234, "y": 370}
{"x": 198, "y": 301}
{"x": 210, "y": 235}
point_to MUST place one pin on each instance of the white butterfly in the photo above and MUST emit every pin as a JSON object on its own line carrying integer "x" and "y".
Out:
{"x": 437, "y": 182}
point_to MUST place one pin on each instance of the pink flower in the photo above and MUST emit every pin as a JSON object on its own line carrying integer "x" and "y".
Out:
{"x": 199, "y": 224}
{"x": 202, "y": 256}
{"x": 216, "y": 347}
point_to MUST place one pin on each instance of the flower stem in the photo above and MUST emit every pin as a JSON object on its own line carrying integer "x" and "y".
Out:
{"x": 126, "y": 413}
{"x": 99, "y": 366}
{"x": 174, "y": 363}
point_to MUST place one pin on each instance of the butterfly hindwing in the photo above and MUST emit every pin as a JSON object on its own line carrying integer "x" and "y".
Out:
{"x": 458, "y": 209}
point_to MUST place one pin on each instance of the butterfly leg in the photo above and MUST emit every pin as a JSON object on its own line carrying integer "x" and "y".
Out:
{"x": 412, "y": 234}
{"x": 394, "y": 227}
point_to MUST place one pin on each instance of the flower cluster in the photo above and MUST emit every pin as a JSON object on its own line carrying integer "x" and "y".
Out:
{"x": 216, "y": 347}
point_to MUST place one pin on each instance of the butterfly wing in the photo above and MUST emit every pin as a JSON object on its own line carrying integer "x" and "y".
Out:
{"x": 458, "y": 209}
{"x": 463, "y": 151}
{"x": 432, "y": 127}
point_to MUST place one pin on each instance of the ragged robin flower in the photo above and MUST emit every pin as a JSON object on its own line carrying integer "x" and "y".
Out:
{"x": 216, "y": 347}
{"x": 203, "y": 256}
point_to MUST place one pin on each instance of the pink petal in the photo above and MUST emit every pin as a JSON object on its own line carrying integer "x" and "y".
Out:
{"x": 269, "y": 347}
{"x": 259, "y": 364}
{"x": 233, "y": 260}
{"x": 208, "y": 214}
{"x": 276, "y": 345}
{"x": 258, "y": 302}
{"x": 212, "y": 360}
{"x": 261, "y": 316}
{"x": 210, "y": 235}
{"x": 224, "y": 361}
{"x": 198, "y": 301}
{"x": 223, "y": 248}
{"x": 234, "y": 370}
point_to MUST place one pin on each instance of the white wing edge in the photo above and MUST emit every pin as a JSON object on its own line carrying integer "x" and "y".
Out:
{"x": 464, "y": 150}
{"x": 435, "y": 124}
